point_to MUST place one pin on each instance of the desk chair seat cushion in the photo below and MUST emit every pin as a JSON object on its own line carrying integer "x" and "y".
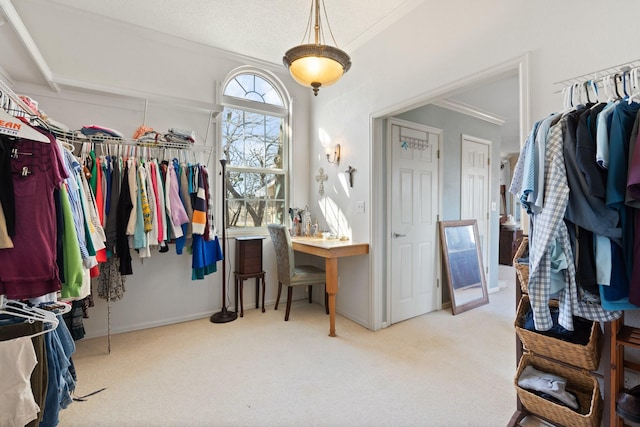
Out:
{"x": 307, "y": 275}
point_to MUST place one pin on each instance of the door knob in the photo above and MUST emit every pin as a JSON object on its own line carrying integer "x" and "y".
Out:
{"x": 396, "y": 235}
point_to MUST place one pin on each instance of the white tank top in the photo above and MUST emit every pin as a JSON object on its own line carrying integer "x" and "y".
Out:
{"x": 17, "y": 360}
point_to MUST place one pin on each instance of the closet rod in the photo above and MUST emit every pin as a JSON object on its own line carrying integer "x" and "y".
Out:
{"x": 74, "y": 137}
{"x": 599, "y": 74}
{"x": 6, "y": 91}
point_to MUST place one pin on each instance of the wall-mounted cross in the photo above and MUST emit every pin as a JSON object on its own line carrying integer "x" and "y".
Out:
{"x": 350, "y": 172}
{"x": 321, "y": 178}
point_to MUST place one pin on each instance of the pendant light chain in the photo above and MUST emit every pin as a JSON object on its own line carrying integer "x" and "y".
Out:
{"x": 324, "y": 7}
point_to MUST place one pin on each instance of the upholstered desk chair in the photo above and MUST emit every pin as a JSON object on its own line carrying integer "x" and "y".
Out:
{"x": 290, "y": 274}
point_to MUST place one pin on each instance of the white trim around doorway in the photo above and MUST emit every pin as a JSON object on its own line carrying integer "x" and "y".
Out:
{"x": 379, "y": 235}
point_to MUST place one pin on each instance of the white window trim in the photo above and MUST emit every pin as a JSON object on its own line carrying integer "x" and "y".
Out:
{"x": 285, "y": 113}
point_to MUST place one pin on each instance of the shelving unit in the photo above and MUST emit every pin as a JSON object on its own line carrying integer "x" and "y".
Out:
{"x": 617, "y": 335}
{"x": 622, "y": 336}
{"x": 608, "y": 378}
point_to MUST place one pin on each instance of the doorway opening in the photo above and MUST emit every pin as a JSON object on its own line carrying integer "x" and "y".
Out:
{"x": 381, "y": 234}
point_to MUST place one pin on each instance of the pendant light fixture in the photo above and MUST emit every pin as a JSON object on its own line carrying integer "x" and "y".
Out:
{"x": 316, "y": 64}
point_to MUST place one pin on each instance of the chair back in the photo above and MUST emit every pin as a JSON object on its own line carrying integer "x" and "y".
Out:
{"x": 284, "y": 252}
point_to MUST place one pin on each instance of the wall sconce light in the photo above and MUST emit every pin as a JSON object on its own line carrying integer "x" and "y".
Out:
{"x": 335, "y": 151}
{"x": 329, "y": 148}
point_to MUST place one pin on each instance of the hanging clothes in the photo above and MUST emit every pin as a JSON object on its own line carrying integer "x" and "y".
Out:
{"x": 73, "y": 268}
{"x": 125, "y": 206}
{"x": 17, "y": 403}
{"x": 551, "y": 243}
{"x": 7, "y": 198}
{"x": 206, "y": 247}
{"x": 5, "y": 239}
{"x": 30, "y": 268}
{"x": 62, "y": 377}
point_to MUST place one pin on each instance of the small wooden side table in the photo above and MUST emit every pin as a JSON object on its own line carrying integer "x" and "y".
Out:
{"x": 249, "y": 265}
{"x": 240, "y": 278}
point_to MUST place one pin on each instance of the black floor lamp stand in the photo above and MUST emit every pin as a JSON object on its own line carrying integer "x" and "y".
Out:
{"x": 224, "y": 315}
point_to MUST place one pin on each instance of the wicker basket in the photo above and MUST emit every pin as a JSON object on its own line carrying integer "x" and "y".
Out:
{"x": 522, "y": 270}
{"x": 583, "y": 356}
{"x": 583, "y": 385}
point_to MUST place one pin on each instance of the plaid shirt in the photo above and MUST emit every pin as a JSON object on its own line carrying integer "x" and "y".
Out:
{"x": 547, "y": 226}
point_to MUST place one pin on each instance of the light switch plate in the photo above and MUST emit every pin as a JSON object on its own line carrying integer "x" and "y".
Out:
{"x": 360, "y": 206}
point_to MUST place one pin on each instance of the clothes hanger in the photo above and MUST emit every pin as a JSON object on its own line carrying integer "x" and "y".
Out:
{"x": 594, "y": 86}
{"x": 634, "y": 85}
{"x": 585, "y": 87}
{"x": 577, "y": 94}
{"x": 615, "y": 85}
{"x": 66, "y": 145}
{"x": 569, "y": 98}
{"x": 623, "y": 79}
{"x": 12, "y": 126}
{"x": 605, "y": 89}
{"x": 30, "y": 314}
{"x": 565, "y": 98}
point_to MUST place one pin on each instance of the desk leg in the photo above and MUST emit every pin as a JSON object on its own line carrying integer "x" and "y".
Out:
{"x": 331, "y": 267}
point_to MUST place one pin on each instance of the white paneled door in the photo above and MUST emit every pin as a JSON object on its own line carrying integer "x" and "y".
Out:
{"x": 474, "y": 191}
{"x": 414, "y": 220}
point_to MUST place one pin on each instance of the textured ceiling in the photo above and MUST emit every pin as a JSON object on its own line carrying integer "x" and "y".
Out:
{"x": 241, "y": 26}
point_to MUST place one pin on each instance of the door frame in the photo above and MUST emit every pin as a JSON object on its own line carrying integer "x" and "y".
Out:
{"x": 388, "y": 148}
{"x": 379, "y": 235}
{"x": 488, "y": 143}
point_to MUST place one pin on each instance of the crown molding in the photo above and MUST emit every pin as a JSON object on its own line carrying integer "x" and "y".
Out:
{"x": 383, "y": 24}
{"x": 469, "y": 110}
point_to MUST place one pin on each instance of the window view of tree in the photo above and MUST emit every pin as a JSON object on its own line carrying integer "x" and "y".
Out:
{"x": 254, "y": 145}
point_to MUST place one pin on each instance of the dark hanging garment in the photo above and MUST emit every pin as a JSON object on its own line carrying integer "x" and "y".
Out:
{"x": 125, "y": 206}
{"x": 622, "y": 119}
{"x": 583, "y": 209}
{"x": 59, "y": 234}
{"x": 594, "y": 175}
{"x": 73, "y": 319}
{"x": 6, "y": 186}
{"x": 110, "y": 228}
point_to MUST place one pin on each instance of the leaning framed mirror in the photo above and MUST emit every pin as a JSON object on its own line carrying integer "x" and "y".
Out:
{"x": 462, "y": 258}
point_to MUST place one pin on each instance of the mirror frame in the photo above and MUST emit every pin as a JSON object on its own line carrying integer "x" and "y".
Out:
{"x": 455, "y": 307}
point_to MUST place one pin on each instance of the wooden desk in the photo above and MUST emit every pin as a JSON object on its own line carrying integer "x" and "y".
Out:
{"x": 330, "y": 250}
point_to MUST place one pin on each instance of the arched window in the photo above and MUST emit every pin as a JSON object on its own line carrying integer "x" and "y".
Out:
{"x": 255, "y": 142}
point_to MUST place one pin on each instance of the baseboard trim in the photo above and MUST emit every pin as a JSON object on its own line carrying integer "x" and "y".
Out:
{"x": 148, "y": 325}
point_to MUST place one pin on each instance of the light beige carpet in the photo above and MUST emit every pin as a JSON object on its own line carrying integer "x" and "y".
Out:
{"x": 432, "y": 370}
